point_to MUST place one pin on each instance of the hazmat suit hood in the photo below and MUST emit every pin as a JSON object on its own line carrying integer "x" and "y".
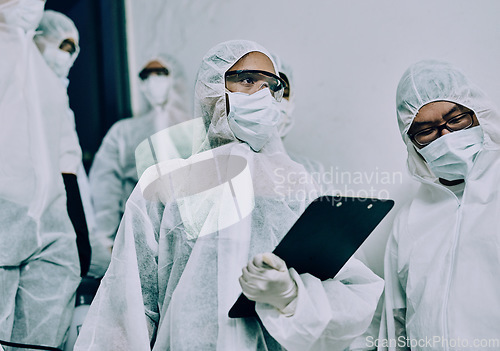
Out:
{"x": 53, "y": 29}
{"x": 210, "y": 97}
{"x": 176, "y": 103}
{"x": 429, "y": 81}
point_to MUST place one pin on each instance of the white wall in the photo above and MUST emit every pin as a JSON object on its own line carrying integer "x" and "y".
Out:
{"x": 347, "y": 56}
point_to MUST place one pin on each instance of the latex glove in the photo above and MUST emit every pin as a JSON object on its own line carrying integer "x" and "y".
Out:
{"x": 266, "y": 279}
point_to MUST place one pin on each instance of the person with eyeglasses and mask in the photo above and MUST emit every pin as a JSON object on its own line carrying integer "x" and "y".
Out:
{"x": 113, "y": 174}
{"x": 178, "y": 257}
{"x": 39, "y": 266}
{"x": 442, "y": 260}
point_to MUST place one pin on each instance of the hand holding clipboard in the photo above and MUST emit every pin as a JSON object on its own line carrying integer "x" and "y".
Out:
{"x": 266, "y": 279}
{"x": 323, "y": 239}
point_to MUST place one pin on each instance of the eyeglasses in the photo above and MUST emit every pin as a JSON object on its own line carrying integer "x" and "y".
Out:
{"x": 428, "y": 135}
{"x": 159, "y": 71}
{"x": 250, "y": 81}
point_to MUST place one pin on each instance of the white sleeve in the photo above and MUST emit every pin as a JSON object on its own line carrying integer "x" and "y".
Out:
{"x": 71, "y": 153}
{"x": 368, "y": 341}
{"x": 329, "y": 314}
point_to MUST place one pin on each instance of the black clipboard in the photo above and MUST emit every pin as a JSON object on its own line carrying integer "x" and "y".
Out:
{"x": 323, "y": 239}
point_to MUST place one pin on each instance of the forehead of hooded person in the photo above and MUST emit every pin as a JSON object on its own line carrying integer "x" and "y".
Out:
{"x": 210, "y": 97}
{"x": 431, "y": 80}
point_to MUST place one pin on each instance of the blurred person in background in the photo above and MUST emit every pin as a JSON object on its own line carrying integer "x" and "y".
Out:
{"x": 287, "y": 122}
{"x": 58, "y": 40}
{"x": 287, "y": 119}
{"x": 113, "y": 174}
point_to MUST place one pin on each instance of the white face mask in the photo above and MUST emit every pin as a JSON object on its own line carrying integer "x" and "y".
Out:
{"x": 156, "y": 89}
{"x": 452, "y": 156}
{"x": 58, "y": 60}
{"x": 27, "y": 14}
{"x": 253, "y": 118}
{"x": 286, "y": 121}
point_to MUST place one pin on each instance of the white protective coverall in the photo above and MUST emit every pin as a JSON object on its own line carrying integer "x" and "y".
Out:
{"x": 176, "y": 262}
{"x": 39, "y": 269}
{"x": 442, "y": 260}
{"x": 54, "y": 28}
{"x": 113, "y": 174}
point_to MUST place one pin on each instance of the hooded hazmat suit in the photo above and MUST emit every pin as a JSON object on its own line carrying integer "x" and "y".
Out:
{"x": 442, "y": 261}
{"x": 287, "y": 121}
{"x": 53, "y": 30}
{"x": 39, "y": 269}
{"x": 180, "y": 249}
{"x": 113, "y": 174}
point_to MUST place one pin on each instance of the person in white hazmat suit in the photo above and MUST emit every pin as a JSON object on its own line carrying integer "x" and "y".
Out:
{"x": 442, "y": 260}
{"x": 113, "y": 174}
{"x": 58, "y": 40}
{"x": 177, "y": 258}
{"x": 39, "y": 268}
{"x": 287, "y": 119}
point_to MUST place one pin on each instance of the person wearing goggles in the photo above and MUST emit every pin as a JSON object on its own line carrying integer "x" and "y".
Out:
{"x": 287, "y": 122}
{"x": 153, "y": 68}
{"x": 113, "y": 174}
{"x": 253, "y": 90}
{"x": 175, "y": 267}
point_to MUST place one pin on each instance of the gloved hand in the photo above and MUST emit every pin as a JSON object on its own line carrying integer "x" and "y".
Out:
{"x": 266, "y": 279}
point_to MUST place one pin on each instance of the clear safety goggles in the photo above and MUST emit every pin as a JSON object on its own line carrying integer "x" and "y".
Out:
{"x": 251, "y": 81}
